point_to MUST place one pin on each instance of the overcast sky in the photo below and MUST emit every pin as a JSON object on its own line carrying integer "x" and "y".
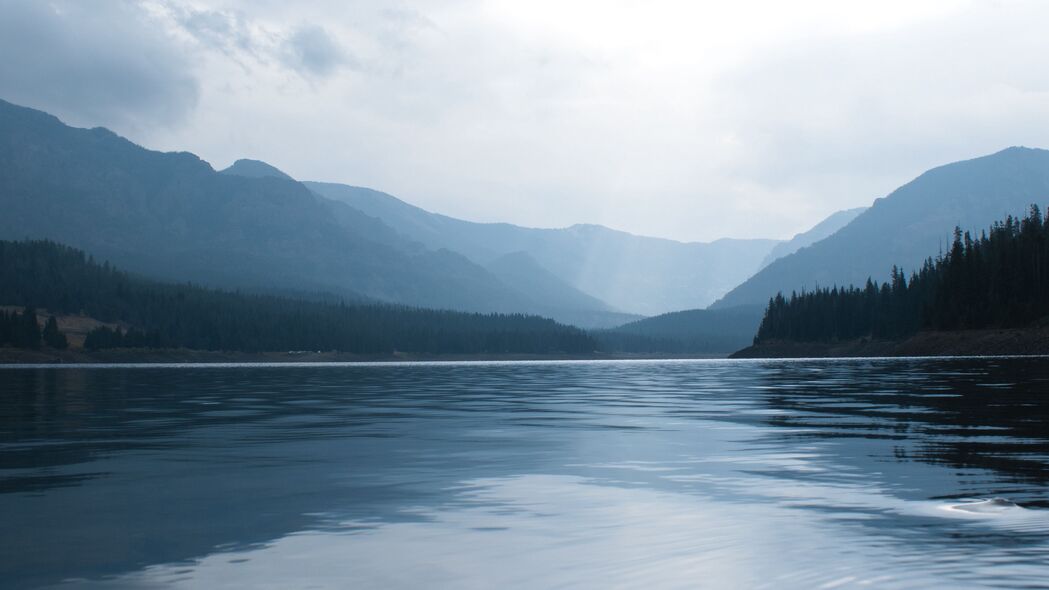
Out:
{"x": 690, "y": 120}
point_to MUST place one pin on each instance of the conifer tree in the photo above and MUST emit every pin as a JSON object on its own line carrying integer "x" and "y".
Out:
{"x": 27, "y": 330}
{"x": 999, "y": 280}
{"x": 52, "y": 337}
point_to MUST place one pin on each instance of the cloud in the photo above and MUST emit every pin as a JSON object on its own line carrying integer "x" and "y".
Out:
{"x": 844, "y": 119}
{"x": 308, "y": 50}
{"x": 227, "y": 31}
{"x": 98, "y": 63}
{"x": 312, "y": 51}
{"x": 686, "y": 120}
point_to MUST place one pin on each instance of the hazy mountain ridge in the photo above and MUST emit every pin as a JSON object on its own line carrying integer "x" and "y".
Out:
{"x": 521, "y": 272}
{"x": 170, "y": 215}
{"x": 631, "y": 273}
{"x": 254, "y": 169}
{"x": 909, "y": 225}
{"x": 251, "y": 226}
{"x": 702, "y": 331}
{"x": 834, "y": 222}
{"x": 538, "y": 291}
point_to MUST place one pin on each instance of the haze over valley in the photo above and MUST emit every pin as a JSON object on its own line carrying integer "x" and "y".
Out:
{"x": 171, "y": 216}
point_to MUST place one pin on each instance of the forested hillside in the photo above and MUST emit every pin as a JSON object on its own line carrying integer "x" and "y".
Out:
{"x": 20, "y": 329}
{"x": 170, "y": 216}
{"x": 64, "y": 280}
{"x": 696, "y": 331}
{"x": 998, "y": 280}
{"x": 910, "y": 224}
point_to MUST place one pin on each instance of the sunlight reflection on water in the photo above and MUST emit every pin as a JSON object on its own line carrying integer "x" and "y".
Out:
{"x": 805, "y": 474}
{"x": 548, "y": 530}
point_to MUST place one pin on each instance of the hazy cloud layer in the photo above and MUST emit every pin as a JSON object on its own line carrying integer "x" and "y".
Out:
{"x": 688, "y": 120}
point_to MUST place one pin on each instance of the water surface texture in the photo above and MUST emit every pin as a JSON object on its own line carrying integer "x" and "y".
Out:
{"x": 677, "y": 474}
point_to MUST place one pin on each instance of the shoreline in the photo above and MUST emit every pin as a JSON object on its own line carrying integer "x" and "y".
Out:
{"x": 787, "y": 351}
{"x": 1032, "y": 341}
{"x": 13, "y": 356}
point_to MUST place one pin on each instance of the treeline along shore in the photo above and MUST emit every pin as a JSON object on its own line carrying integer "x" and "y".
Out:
{"x": 111, "y": 310}
{"x": 986, "y": 295}
{"x": 57, "y": 304}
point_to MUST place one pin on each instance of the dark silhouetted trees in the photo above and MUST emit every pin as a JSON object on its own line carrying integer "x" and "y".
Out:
{"x": 999, "y": 280}
{"x": 163, "y": 315}
{"x": 20, "y": 330}
{"x": 106, "y": 337}
{"x": 52, "y": 336}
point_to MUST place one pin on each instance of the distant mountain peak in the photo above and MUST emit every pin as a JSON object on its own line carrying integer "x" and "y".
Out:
{"x": 1016, "y": 149}
{"x": 12, "y": 109}
{"x": 255, "y": 169}
{"x": 1012, "y": 153}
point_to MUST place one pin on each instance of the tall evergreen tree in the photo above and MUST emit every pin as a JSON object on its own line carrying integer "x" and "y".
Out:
{"x": 26, "y": 330}
{"x": 52, "y": 336}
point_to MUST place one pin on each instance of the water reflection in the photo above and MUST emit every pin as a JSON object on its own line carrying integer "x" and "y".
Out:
{"x": 986, "y": 420}
{"x": 670, "y": 474}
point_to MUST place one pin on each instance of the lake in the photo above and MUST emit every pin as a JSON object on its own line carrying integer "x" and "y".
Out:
{"x": 654, "y": 474}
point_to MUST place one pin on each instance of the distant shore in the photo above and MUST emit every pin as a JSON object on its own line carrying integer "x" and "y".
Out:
{"x": 1033, "y": 341}
{"x": 10, "y": 356}
{"x": 1027, "y": 341}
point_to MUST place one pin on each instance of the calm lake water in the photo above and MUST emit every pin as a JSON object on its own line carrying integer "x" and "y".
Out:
{"x": 676, "y": 474}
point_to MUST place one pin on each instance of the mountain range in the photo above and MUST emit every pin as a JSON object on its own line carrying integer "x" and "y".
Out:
{"x": 694, "y": 331}
{"x": 911, "y": 224}
{"x": 172, "y": 216}
{"x": 631, "y": 273}
{"x": 252, "y": 227}
{"x": 821, "y": 230}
